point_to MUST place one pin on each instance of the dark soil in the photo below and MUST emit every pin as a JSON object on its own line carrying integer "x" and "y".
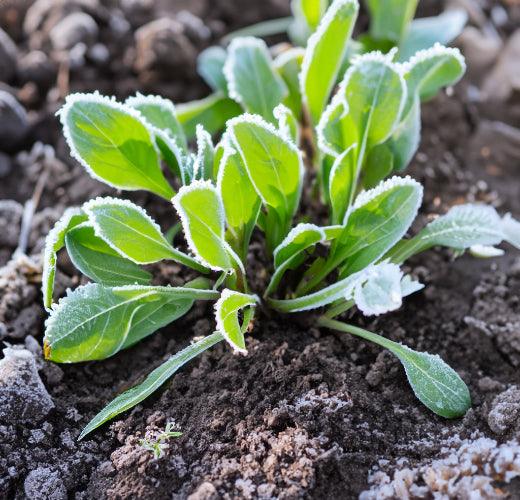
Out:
{"x": 308, "y": 413}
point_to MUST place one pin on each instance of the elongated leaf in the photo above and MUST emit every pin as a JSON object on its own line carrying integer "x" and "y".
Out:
{"x": 288, "y": 65}
{"x": 212, "y": 112}
{"x": 160, "y": 113}
{"x": 275, "y": 167}
{"x": 203, "y": 219}
{"x": 287, "y": 123}
{"x": 427, "y": 31}
{"x": 153, "y": 381}
{"x": 175, "y": 156}
{"x": 434, "y": 383}
{"x": 227, "y": 309}
{"x": 251, "y": 78}
{"x": 390, "y": 19}
{"x": 342, "y": 183}
{"x": 132, "y": 233}
{"x": 95, "y": 322}
{"x": 203, "y": 165}
{"x": 210, "y": 64}
{"x": 54, "y": 242}
{"x": 111, "y": 141}
{"x": 324, "y": 55}
{"x": 94, "y": 258}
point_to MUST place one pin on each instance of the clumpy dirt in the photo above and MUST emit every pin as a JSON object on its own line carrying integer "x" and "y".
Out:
{"x": 308, "y": 413}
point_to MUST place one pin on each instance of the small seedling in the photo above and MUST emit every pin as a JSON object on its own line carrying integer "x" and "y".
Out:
{"x": 158, "y": 443}
{"x": 354, "y": 144}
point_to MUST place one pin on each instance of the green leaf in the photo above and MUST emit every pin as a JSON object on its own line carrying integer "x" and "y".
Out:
{"x": 203, "y": 165}
{"x": 153, "y": 381}
{"x": 94, "y": 321}
{"x": 427, "y": 31}
{"x": 287, "y": 123}
{"x": 203, "y": 219}
{"x": 173, "y": 154}
{"x": 113, "y": 143}
{"x": 312, "y": 10}
{"x": 212, "y": 112}
{"x": 367, "y": 107}
{"x": 342, "y": 183}
{"x": 94, "y": 258}
{"x": 252, "y": 80}
{"x": 324, "y": 55}
{"x": 390, "y": 19}
{"x": 434, "y": 383}
{"x": 511, "y": 230}
{"x": 132, "y": 233}
{"x": 54, "y": 242}
{"x": 241, "y": 201}
{"x": 210, "y": 64}
{"x": 227, "y": 309}
{"x": 288, "y": 65}
{"x": 275, "y": 167}
{"x": 379, "y": 164}
{"x": 160, "y": 113}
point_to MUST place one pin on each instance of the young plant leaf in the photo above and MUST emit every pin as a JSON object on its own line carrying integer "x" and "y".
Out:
{"x": 390, "y": 19}
{"x": 511, "y": 230}
{"x": 132, "y": 233}
{"x": 288, "y": 65}
{"x": 210, "y": 64}
{"x": 227, "y": 309}
{"x": 203, "y": 165}
{"x": 175, "y": 157}
{"x": 113, "y": 143}
{"x": 97, "y": 260}
{"x": 153, "y": 381}
{"x": 203, "y": 219}
{"x": 94, "y": 321}
{"x": 54, "y": 242}
{"x": 160, "y": 113}
{"x": 324, "y": 55}
{"x": 287, "y": 123}
{"x": 342, "y": 183}
{"x": 251, "y": 78}
{"x": 434, "y": 383}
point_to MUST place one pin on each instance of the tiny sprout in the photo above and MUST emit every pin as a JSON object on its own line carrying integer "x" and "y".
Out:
{"x": 158, "y": 442}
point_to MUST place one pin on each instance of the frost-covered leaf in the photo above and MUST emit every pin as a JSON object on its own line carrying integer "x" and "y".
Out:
{"x": 485, "y": 251}
{"x": 203, "y": 165}
{"x": 210, "y": 64}
{"x": 427, "y": 31}
{"x": 175, "y": 157}
{"x": 132, "y": 233}
{"x": 390, "y": 19}
{"x": 97, "y": 260}
{"x": 160, "y": 113}
{"x": 227, "y": 310}
{"x": 275, "y": 167}
{"x": 367, "y": 107}
{"x": 95, "y": 321}
{"x": 111, "y": 141}
{"x": 311, "y": 11}
{"x": 379, "y": 164}
{"x": 342, "y": 183}
{"x": 54, "y": 242}
{"x": 203, "y": 219}
{"x": 324, "y": 55}
{"x": 153, "y": 381}
{"x": 511, "y": 229}
{"x": 251, "y": 78}
{"x": 288, "y": 65}
{"x": 287, "y": 123}
{"x": 212, "y": 113}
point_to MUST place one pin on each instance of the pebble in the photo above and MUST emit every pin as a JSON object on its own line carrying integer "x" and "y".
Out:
{"x": 23, "y": 397}
{"x": 505, "y": 410}
{"x": 44, "y": 483}
{"x": 36, "y": 67}
{"x": 75, "y": 28}
{"x": 7, "y": 57}
{"x": 14, "y": 125}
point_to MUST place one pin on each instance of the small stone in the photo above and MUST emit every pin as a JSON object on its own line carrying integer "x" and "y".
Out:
{"x": 75, "y": 28}
{"x": 505, "y": 411}
{"x": 36, "y": 67}
{"x": 44, "y": 483}
{"x": 14, "y": 125}
{"x": 6, "y": 165}
{"x": 10, "y": 218}
{"x": 8, "y": 57}
{"x": 23, "y": 397}
{"x": 206, "y": 491}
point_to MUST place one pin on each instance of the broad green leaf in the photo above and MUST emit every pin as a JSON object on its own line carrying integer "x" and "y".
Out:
{"x": 111, "y": 141}
{"x": 275, "y": 167}
{"x": 434, "y": 383}
{"x": 203, "y": 219}
{"x": 390, "y": 19}
{"x": 378, "y": 165}
{"x": 227, "y": 309}
{"x": 427, "y": 31}
{"x": 97, "y": 260}
{"x": 203, "y": 165}
{"x": 241, "y": 201}
{"x": 287, "y": 123}
{"x": 54, "y": 242}
{"x": 160, "y": 113}
{"x": 95, "y": 321}
{"x": 210, "y": 64}
{"x": 212, "y": 112}
{"x": 153, "y": 381}
{"x": 251, "y": 78}
{"x": 132, "y": 233}
{"x": 367, "y": 107}
{"x": 288, "y": 65}
{"x": 342, "y": 183}
{"x": 324, "y": 55}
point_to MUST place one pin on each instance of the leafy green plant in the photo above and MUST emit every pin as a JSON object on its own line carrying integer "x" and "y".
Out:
{"x": 158, "y": 442}
{"x": 253, "y": 180}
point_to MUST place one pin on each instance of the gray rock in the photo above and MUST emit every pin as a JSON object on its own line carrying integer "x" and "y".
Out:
{"x": 14, "y": 125}
{"x": 10, "y": 218}
{"x": 77, "y": 27}
{"x": 23, "y": 397}
{"x": 44, "y": 483}
{"x": 505, "y": 411}
{"x": 36, "y": 67}
{"x": 7, "y": 57}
